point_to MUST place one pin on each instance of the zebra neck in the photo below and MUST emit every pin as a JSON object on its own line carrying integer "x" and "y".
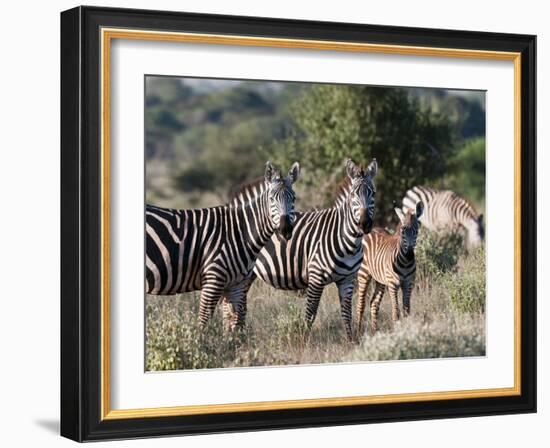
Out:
{"x": 343, "y": 195}
{"x": 254, "y": 223}
{"x": 404, "y": 257}
{"x": 349, "y": 235}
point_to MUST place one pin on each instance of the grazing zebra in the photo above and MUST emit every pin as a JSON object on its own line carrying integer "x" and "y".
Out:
{"x": 214, "y": 249}
{"x": 325, "y": 247}
{"x": 444, "y": 209}
{"x": 389, "y": 259}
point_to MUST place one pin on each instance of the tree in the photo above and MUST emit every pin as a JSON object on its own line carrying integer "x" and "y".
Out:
{"x": 468, "y": 171}
{"x": 412, "y": 146}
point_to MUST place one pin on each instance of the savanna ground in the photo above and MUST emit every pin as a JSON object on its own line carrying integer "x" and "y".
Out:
{"x": 447, "y": 320}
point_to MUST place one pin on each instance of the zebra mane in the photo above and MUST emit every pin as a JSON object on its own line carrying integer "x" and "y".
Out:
{"x": 342, "y": 192}
{"x": 239, "y": 193}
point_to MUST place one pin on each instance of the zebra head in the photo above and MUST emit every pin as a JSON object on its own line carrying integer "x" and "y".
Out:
{"x": 281, "y": 198}
{"x": 476, "y": 232}
{"x": 410, "y": 224}
{"x": 361, "y": 193}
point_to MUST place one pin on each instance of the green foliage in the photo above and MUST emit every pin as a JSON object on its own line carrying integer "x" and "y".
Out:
{"x": 175, "y": 340}
{"x": 467, "y": 286}
{"x": 229, "y": 157}
{"x": 212, "y": 135}
{"x": 468, "y": 170}
{"x": 466, "y": 111}
{"x": 414, "y": 339}
{"x": 437, "y": 254}
{"x": 412, "y": 145}
{"x": 165, "y": 90}
{"x": 212, "y": 139}
{"x": 195, "y": 177}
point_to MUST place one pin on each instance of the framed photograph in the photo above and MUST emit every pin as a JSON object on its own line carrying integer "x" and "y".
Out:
{"x": 276, "y": 224}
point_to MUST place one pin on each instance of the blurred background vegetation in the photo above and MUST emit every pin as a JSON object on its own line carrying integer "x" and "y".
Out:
{"x": 205, "y": 136}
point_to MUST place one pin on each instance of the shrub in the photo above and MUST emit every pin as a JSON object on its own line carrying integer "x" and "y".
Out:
{"x": 466, "y": 287}
{"x": 413, "y": 339}
{"x": 437, "y": 253}
{"x": 468, "y": 170}
{"x": 176, "y": 341}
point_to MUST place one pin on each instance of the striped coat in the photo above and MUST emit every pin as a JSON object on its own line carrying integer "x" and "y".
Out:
{"x": 389, "y": 260}
{"x": 214, "y": 249}
{"x": 325, "y": 246}
{"x": 444, "y": 209}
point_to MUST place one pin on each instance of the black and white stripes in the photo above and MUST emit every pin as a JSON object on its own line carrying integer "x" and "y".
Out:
{"x": 214, "y": 249}
{"x": 325, "y": 246}
{"x": 444, "y": 209}
{"x": 389, "y": 260}
{"x": 221, "y": 250}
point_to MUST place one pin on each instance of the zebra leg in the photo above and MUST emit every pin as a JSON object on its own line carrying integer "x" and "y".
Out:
{"x": 314, "y": 292}
{"x": 243, "y": 302}
{"x": 345, "y": 293}
{"x": 227, "y": 313}
{"x": 379, "y": 290}
{"x": 236, "y": 303}
{"x": 363, "y": 282}
{"x": 407, "y": 290}
{"x": 393, "y": 290}
{"x": 211, "y": 294}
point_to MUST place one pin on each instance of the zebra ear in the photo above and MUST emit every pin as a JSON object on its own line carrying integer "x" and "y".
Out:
{"x": 294, "y": 172}
{"x": 480, "y": 218}
{"x": 372, "y": 169}
{"x": 269, "y": 171}
{"x": 400, "y": 214}
{"x": 351, "y": 168}
{"x": 419, "y": 209}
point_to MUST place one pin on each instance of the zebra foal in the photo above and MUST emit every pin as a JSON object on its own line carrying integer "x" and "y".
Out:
{"x": 444, "y": 209}
{"x": 214, "y": 249}
{"x": 389, "y": 260}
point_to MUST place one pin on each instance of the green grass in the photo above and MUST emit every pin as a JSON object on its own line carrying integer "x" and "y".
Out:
{"x": 447, "y": 320}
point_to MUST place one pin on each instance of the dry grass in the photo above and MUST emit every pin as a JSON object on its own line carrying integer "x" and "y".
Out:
{"x": 447, "y": 320}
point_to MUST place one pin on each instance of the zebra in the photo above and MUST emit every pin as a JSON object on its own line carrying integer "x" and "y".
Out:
{"x": 389, "y": 259}
{"x": 324, "y": 248}
{"x": 214, "y": 249}
{"x": 446, "y": 210}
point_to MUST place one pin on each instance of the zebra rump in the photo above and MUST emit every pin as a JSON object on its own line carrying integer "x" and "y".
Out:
{"x": 445, "y": 209}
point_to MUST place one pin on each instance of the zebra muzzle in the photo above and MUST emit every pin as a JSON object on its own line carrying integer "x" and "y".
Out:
{"x": 286, "y": 227}
{"x": 365, "y": 222}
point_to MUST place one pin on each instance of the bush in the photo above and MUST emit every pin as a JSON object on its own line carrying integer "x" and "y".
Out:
{"x": 466, "y": 286}
{"x": 413, "y": 339}
{"x": 175, "y": 340}
{"x": 467, "y": 170}
{"x": 437, "y": 253}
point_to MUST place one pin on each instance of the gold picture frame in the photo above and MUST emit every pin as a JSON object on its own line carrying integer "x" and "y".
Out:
{"x": 109, "y": 29}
